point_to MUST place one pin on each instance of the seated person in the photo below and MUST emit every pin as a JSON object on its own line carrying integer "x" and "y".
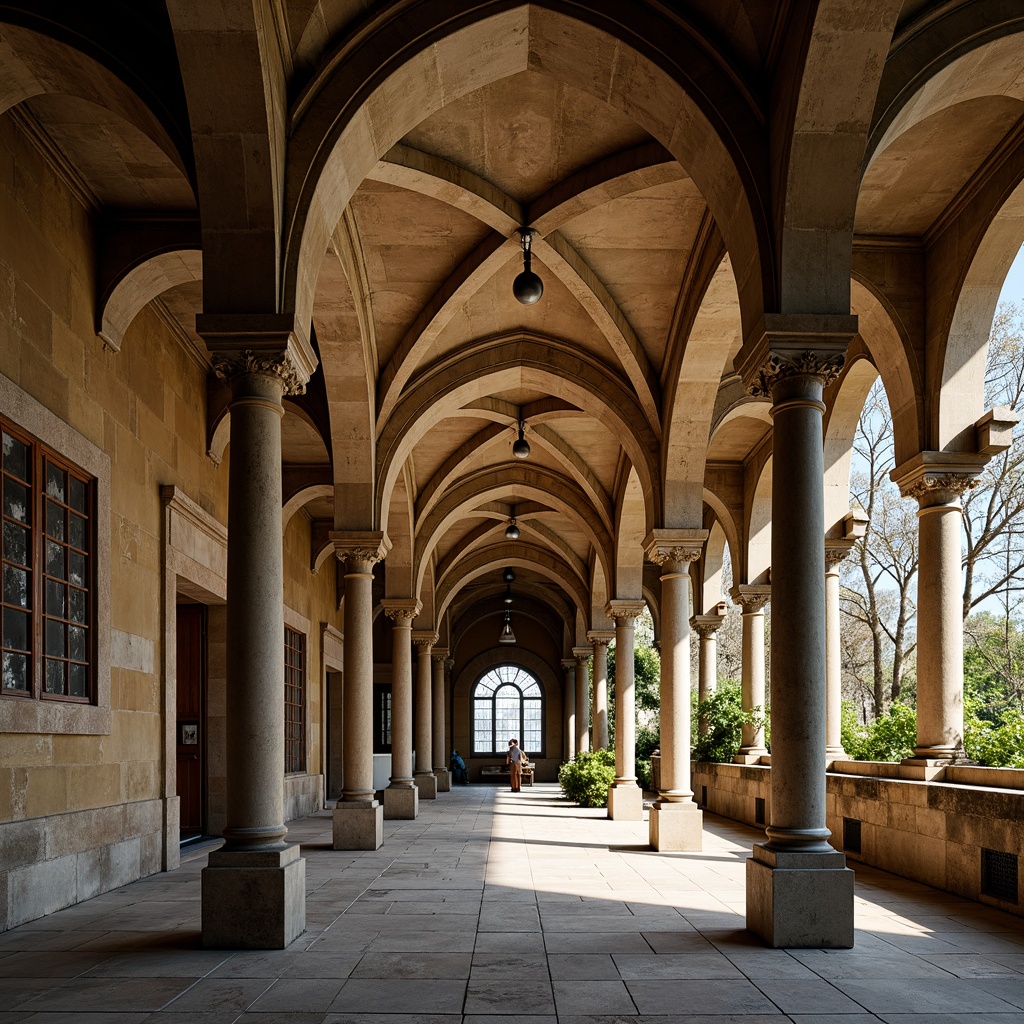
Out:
{"x": 460, "y": 773}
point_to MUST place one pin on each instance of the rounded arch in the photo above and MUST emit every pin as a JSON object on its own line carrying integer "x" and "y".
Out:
{"x": 518, "y": 556}
{"x": 399, "y": 578}
{"x": 630, "y": 531}
{"x": 651, "y": 68}
{"x": 509, "y": 362}
{"x": 303, "y": 497}
{"x": 493, "y": 482}
{"x": 710, "y": 585}
{"x": 723, "y": 515}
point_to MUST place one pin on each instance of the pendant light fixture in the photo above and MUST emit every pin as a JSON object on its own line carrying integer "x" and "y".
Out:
{"x": 512, "y": 531}
{"x": 527, "y": 287}
{"x": 507, "y": 636}
{"x": 521, "y": 447}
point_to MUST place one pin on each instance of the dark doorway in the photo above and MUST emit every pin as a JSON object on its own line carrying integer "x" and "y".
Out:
{"x": 191, "y": 688}
{"x": 335, "y": 735}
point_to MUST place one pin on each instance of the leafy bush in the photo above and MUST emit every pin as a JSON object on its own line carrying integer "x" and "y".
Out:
{"x": 586, "y": 778}
{"x": 643, "y": 773}
{"x": 891, "y": 737}
{"x": 725, "y": 716}
{"x": 997, "y": 746}
{"x": 647, "y": 741}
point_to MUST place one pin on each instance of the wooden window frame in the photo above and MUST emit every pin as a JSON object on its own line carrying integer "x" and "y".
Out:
{"x": 41, "y": 456}
{"x": 295, "y": 676}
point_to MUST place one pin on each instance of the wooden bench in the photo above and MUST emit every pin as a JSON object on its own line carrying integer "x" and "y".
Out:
{"x": 500, "y": 773}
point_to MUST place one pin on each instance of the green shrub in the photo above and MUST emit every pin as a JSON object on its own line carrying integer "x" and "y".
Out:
{"x": 647, "y": 741}
{"x": 643, "y": 773}
{"x": 725, "y": 716}
{"x": 586, "y": 778}
{"x": 891, "y": 737}
{"x": 996, "y": 745}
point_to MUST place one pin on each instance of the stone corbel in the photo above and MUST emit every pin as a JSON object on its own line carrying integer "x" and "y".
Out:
{"x": 850, "y": 529}
{"x": 994, "y": 431}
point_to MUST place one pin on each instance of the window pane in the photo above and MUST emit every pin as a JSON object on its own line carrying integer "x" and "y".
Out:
{"x": 533, "y": 690}
{"x": 77, "y": 495}
{"x": 55, "y": 481}
{"x": 76, "y": 642}
{"x": 77, "y": 566}
{"x": 55, "y": 520}
{"x": 76, "y": 605}
{"x": 55, "y": 560}
{"x": 76, "y": 531}
{"x": 79, "y": 681}
{"x": 15, "y": 501}
{"x": 55, "y": 638}
{"x": 16, "y": 672}
{"x": 16, "y": 460}
{"x": 16, "y": 543}
{"x": 55, "y": 593}
{"x": 56, "y": 674}
{"x": 16, "y": 586}
{"x": 16, "y": 629}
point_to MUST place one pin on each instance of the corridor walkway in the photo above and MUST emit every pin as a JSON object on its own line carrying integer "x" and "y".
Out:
{"x": 500, "y": 907}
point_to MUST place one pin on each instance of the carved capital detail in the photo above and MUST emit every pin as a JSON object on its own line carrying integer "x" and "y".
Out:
{"x": 439, "y": 654}
{"x": 569, "y": 663}
{"x": 583, "y": 654}
{"x": 280, "y": 365}
{"x": 679, "y": 547}
{"x": 836, "y": 551}
{"x": 624, "y": 612}
{"x": 706, "y": 626}
{"x": 938, "y": 478}
{"x": 939, "y": 489}
{"x": 751, "y": 597}
{"x": 424, "y": 638}
{"x": 826, "y": 366}
{"x": 401, "y": 610}
{"x": 362, "y": 548}
{"x": 601, "y": 637}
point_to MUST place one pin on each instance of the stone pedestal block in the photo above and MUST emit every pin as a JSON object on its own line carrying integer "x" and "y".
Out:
{"x": 444, "y": 780}
{"x": 747, "y": 758}
{"x": 358, "y": 825}
{"x": 427, "y": 785}
{"x": 800, "y": 900}
{"x": 254, "y": 900}
{"x": 676, "y": 827}
{"x": 401, "y": 802}
{"x": 625, "y": 802}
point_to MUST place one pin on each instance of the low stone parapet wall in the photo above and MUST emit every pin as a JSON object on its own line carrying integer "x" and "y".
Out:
{"x": 303, "y": 795}
{"x": 960, "y": 829}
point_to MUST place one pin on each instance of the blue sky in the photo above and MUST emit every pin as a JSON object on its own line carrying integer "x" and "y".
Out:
{"x": 1013, "y": 286}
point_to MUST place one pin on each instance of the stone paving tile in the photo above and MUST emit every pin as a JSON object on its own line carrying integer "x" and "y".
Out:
{"x": 675, "y": 966}
{"x": 581, "y": 966}
{"x": 303, "y": 995}
{"x": 220, "y": 994}
{"x": 509, "y": 996}
{"x": 925, "y": 997}
{"x": 655, "y": 996}
{"x": 109, "y": 994}
{"x": 798, "y": 995}
{"x": 1010, "y": 989}
{"x": 413, "y": 965}
{"x": 48, "y": 964}
{"x": 510, "y": 965}
{"x": 602, "y": 997}
{"x": 401, "y": 995}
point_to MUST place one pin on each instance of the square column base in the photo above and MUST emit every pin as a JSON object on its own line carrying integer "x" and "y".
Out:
{"x": 401, "y": 802}
{"x": 358, "y": 825}
{"x": 625, "y": 802}
{"x": 800, "y": 900}
{"x": 444, "y": 780}
{"x": 427, "y": 785}
{"x": 750, "y": 757}
{"x": 676, "y": 827}
{"x": 254, "y": 900}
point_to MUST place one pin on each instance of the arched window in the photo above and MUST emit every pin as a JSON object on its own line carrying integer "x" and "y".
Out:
{"x": 507, "y": 702}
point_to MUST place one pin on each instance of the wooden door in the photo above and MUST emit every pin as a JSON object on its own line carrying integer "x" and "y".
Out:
{"x": 191, "y": 717}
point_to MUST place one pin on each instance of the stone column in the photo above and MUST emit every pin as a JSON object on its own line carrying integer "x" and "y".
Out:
{"x": 791, "y": 364}
{"x": 582, "y": 655}
{"x": 937, "y": 482}
{"x": 438, "y": 657}
{"x": 600, "y": 640}
{"x": 752, "y": 598}
{"x": 675, "y": 821}
{"x": 569, "y": 732}
{"x": 426, "y": 781}
{"x": 625, "y": 799}
{"x": 707, "y": 627}
{"x": 401, "y": 798}
{"x": 358, "y": 816}
{"x": 260, "y": 368}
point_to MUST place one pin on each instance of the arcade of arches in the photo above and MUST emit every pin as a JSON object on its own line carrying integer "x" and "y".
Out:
{"x": 262, "y": 370}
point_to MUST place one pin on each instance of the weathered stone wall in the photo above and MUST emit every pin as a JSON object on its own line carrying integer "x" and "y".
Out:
{"x": 88, "y": 803}
{"x": 932, "y": 831}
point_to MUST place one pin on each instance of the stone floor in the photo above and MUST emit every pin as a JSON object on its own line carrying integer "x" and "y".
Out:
{"x": 493, "y": 907}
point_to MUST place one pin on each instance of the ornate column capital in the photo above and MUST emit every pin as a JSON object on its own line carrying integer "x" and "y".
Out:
{"x": 675, "y": 548}
{"x": 751, "y": 597}
{"x": 938, "y": 478}
{"x": 402, "y": 610}
{"x": 259, "y": 344}
{"x": 787, "y": 345}
{"x": 582, "y": 653}
{"x": 601, "y": 637}
{"x": 439, "y": 654}
{"x": 706, "y": 626}
{"x": 363, "y": 547}
{"x": 624, "y": 611}
{"x": 568, "y": 663}
{"x": 424, "y": 637}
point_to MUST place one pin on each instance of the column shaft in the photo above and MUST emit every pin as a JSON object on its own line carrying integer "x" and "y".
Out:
{"x": 582, "y": 700}
{"x": 569, "y": 668}
{"x": 255, "y": 618}
{"x": 425, "y": 778}
{"x": 401, "y": 702}
{"x": 600, "y": 685}
{"x": 358, "y": 660}
{"x": 438, "y": 703}
{"x": 833, "y": 666}
{"x": 940, "y": 649}
{"x": 675, "y": 682}
{"x": 752, "y": 600}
